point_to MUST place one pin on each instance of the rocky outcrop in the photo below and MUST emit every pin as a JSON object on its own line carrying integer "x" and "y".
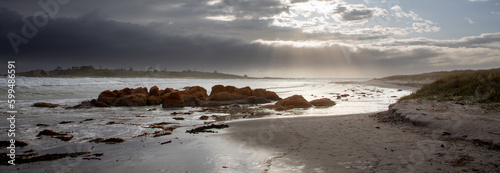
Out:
{"x": 174, "y": 99}
{"x": 324, "y": 102}
{"x": 134, "y": 99}
{"x": 295, "y": 101}
{"x": 107, "y": 97}
{"x": 245, "y": 95}
{"x": 154, "y": 91}
{"x": 191, "y": 96}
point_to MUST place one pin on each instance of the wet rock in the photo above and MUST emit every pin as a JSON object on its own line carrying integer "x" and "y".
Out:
{"x": 178, "y": 118}
{"x": 266, "y": 94}
{"x": 295, "y": 101}
{"x": 256, "y": 100}
{"x": 154, "y": 100}
{"x": 154, "y": 91}
{"x": 135, "y": 99}
{"x": 246, "y": 91}
{"x": 190, "y": 101}
{"x": 32, "y": 157}
{"x": 83, "y": 105}
{"x": 173, "y": 99}
{"x": 167, "y": 91}
{"x": 47, "y": 132}
{"x": 107, "y": 97}
{"x": 324, "y": 102}
{"x": 45, "y": 105}
{"x": 226, "y": 96}
{"x": 17, "y": 143}
{"x": 166, "y": 142}
{"x": 204, "y": 129}
{"x": 196, "y": 92}
{"x": 50, "y": 133}
{"x": 204, "y": 117}
{"x": 217, "y": 89}
{"x": 108, "y": 141}
{"x": 101, "y": 104}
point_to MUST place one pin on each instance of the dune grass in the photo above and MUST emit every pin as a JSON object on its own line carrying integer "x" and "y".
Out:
{"x": 482, "y": 86}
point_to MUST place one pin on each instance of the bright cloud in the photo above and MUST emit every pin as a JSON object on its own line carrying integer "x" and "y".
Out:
{"x": 222, "y": 18}
{"x": 339, "y": 17}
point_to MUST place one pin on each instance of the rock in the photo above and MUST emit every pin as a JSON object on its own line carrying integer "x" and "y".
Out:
{"x": 154, "y": 100}
{"x": 101, "y": 104}
{"x": 266, "y": 94}
{"x": 226, "y": 96}
{"x": 204, "y": 103}
{"x": 197, "y": 92}
{"x": 83, "y": 105}
{"x": 217, "y": 89}
{"x": 45, "y": 105}
{"x": 107, "y": 97}
{"x": 246, "y": 91}
{"x": 256, "y": 100}
{"x": 325, "y": 102}
{"x": 154, "y": 91}
{"x": 137, "y": 99}
{"x": 231, "y": 89}
{"x": 204, "y": 117}
{"x": 140, "y": 90}
{"x": 108, "y": 141}
{"x": 173, "y": 99}
{"x": 190, "y": 101}
{"x": 167, "y": 91}
{"x": 124, "y": 92}
{"x": 295, "y": 101}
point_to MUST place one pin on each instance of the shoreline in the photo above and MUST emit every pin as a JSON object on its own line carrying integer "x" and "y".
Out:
{"x": 353, "y": 143}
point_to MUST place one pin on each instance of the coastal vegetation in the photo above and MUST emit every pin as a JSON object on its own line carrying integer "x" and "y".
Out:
{"x": 481, "y": 86}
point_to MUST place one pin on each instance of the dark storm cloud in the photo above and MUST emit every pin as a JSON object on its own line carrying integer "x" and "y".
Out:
{"x": 184, "y": 34}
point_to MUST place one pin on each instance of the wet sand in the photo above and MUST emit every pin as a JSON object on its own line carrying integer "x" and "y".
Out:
{"x": 355, "y": 143}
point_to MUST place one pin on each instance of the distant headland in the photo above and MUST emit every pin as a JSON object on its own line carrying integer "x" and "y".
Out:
{"x": 90, "y": 71}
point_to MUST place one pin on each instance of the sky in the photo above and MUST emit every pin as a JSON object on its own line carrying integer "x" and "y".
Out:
{"x": 278, "y": 38}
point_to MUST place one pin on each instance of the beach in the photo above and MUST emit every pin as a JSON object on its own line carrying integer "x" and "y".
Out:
{"x": 363, "y": 132}
{"x": 356, "y": 143}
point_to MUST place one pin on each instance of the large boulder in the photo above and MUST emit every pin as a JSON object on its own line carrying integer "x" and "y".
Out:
{"x": 197, "y": 92}
{"x": 246, "y": 91}
{"x": 167, "y": 91}
{"x": 190, "y": 101}
{"x": 324, "y": 102}
{"x": 136, "y": 99}
{"x": 140, "y": 90}
{"x": 173, "y": 99}
{"x": 266, "y": 94}
{"x": 124, "y": 92}
{"x": 107, "y": 97}
{"x": 231, "y": 89}
{"x": 154, "y": 91}
{"x": 295, "y": 101}
{"x": 154, "y": 100}
{"x": 217, "y": 89}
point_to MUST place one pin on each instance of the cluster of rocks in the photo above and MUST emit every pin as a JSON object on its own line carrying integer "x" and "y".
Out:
{"x": 191, "y": 96}
{"x": 297, "y": 101}
{"x": 195, "y": 96}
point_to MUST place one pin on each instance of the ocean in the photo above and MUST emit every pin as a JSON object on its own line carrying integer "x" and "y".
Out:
{"x": 130, "y": 122}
